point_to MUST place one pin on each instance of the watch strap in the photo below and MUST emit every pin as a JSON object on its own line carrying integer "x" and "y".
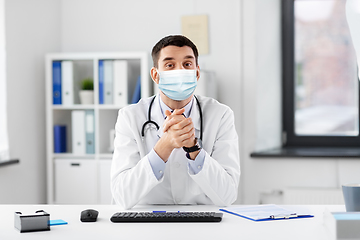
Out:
{"x": 194, "y": 148}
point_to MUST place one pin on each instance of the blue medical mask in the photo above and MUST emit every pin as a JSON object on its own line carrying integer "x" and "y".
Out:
{"x": 178, "y": 84}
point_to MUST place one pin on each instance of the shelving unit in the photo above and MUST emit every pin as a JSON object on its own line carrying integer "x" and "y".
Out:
{"x": 85, "y": 178}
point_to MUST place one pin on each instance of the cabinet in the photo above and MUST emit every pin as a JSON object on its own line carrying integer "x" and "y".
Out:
{"x": 76, "y": 173}
{"x": 75, "y": 181}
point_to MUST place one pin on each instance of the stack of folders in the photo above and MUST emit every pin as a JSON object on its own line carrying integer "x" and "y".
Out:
{"x": 83, "y": 132}
{"x": 115, "y": 83}
{"x": 63, "y": 82}
{"x": 266, "y": 212}
{"x": 342, "y": 225}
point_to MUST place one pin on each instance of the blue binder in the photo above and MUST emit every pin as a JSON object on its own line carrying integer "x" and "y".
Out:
{"x": 137, "y": 92}
{"x": 59, "y": 139}
{"x": 90, "y": 131}
{"x": 101, "y": 81}
{"x": 56, "y": 74}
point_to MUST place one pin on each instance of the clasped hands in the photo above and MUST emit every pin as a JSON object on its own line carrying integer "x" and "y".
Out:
{"x": 178, "y": 132}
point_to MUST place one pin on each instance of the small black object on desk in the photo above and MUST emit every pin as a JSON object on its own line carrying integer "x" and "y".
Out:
{"x": 89, "y": 215}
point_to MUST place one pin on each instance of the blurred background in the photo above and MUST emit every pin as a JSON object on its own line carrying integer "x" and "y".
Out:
{"x": 245, "y": 56}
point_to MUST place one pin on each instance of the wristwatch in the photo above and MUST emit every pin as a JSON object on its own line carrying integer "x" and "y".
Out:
{"x": 196, "y": 147}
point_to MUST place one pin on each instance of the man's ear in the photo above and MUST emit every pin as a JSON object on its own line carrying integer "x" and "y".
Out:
{"x": 197, "y": 72}
{"x": 154, "y": 75}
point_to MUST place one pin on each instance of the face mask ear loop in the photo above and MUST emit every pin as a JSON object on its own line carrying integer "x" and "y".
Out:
{"x": 158, "y": 72}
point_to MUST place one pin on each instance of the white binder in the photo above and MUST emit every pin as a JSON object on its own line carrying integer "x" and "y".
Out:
{"x": 67, "y": 83}
{"x": 90, "y": 131}
{"x": 108, "y": 82}
{"x": 78, "y": 132}
{"x": 120, "y": 83}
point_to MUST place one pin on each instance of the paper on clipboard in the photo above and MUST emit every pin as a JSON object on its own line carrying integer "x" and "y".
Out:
{"x": 263, "y": 212}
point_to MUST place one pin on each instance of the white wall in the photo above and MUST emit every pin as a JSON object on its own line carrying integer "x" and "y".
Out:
{"x": 261, "y": 111}
{"x": 4, "y": 144}
{"x": 32, "y": 29}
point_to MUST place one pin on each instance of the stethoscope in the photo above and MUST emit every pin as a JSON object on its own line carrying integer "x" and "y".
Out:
{"x": 149, "y": 121}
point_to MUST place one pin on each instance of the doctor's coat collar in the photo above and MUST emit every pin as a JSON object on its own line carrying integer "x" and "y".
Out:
{"x": 164, "y": 107}
{"x": 157, "y": 115}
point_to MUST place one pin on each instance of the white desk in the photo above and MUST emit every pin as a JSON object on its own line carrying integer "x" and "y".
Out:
{"x": 231, "y": 227}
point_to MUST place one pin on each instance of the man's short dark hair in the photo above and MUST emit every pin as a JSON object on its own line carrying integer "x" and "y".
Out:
{"x": 172, "y": 40}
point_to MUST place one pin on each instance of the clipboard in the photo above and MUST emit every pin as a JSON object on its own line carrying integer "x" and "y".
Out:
{"x": 267, "y": 212}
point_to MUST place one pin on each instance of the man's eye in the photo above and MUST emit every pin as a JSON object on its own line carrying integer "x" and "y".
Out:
{"x": 187, "y": 64}
{"x": 169, "y": 65}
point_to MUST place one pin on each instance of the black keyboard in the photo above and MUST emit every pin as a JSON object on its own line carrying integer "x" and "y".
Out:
{"x": 166, "y": 217}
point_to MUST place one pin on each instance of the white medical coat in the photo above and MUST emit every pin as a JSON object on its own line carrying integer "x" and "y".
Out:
{"x": 133, "y": 180}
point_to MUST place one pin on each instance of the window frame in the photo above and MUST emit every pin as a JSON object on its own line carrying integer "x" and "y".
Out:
{"x": 290, "y": 139}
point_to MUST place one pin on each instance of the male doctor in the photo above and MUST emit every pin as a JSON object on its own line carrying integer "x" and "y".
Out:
{"x": 187, "y": 153}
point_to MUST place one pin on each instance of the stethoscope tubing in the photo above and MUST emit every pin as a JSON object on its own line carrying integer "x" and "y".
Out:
{"x": 149, "y": 119}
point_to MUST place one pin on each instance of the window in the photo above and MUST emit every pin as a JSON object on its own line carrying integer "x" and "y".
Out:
{"x": 4, "y": 146}
{"x": 320, "y": 80}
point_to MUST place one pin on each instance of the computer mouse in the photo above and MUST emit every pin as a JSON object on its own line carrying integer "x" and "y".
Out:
{"x": 89, "y": 215}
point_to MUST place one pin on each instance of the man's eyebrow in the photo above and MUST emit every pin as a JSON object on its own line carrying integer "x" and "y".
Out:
{"x": 167, "y": 59}
{"x": 171, "y": 58}
{"x": 188, "y": 57}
